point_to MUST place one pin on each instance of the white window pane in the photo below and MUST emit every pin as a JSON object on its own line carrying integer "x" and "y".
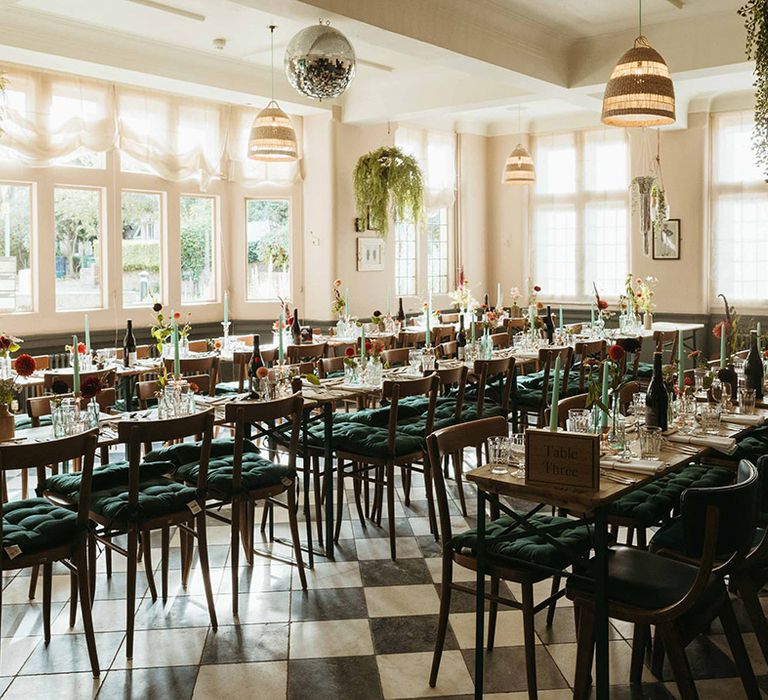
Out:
{"x": 405, "y": 259}
{"x": 437, "y": 251}
{"x": 734, "y": 157}
{"x": 77, "y": 216}
{"x": 141, "y": 227}
{"x": 268, "y": 223}
{"x": 605, "y": 249}
{"x": 555, "y": 158}
{"x": 197, "y": 226}
{"x": 606, "y": 157}
{"x": 555, "y": 250}
{"x": 16, "y": 223}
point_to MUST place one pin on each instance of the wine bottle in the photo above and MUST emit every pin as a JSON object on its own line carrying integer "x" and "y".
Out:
{"x": 129, "y": 346}
{"x": 485, "y": 304}
{"x": 296, "y": 328}
{"x": 461, "y": 339}
{"x": 257, "y": 362}
{"x": 656, "y": 399}
{"x": 400, "y": 312}
{"x": 549, "y": 325}
{"x": 753, "y": 367}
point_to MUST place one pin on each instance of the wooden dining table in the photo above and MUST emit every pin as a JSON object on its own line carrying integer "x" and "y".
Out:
{"x": 594, "y": 503}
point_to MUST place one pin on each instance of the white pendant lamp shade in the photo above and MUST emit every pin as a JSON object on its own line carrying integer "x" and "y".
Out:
{"x": 272, "y": 136}
{"x": 640, "y": 91}
{"x": 519, "y": 170}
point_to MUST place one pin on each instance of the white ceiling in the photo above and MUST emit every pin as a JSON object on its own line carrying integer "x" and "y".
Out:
{"x": 452, "y": 62}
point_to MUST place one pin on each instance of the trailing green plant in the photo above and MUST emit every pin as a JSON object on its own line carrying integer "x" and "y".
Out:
{"x": 755, "y": 13}
{"x": 388, "y": 181}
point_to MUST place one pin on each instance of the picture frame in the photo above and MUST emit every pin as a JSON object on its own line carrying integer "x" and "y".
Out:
{"x": 666, "y": 243}
{"x": 370, "y": 254}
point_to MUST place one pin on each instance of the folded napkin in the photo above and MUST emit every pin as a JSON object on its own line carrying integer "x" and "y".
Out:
{"x": 742, "y": 419}
{"x": 638, "y": 466}
{"x": 726, "y": 445}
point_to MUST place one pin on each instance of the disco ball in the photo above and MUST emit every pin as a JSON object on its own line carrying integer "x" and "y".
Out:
{"x": 320, "y": 62}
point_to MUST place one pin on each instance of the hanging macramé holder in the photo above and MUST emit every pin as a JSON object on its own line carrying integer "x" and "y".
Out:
{"x": 562, "y": 459}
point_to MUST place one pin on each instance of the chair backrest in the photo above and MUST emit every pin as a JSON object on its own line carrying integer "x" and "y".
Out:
{"x": 305, "y": 353}
{"x": 450, "y": 318}
{"x": 246, "y": 413}
{"x": 39, "y": 406}
{"x": 148, "y": 390}
{"x": 189, "y": 366}
{"x": 500, "y": 371}
{"x": 626, "y": 393}
{"x": 240, "y": 361}
{"x": 587, "y": 349}
{"x": 412, "y": 339}
{"x": 500, "y": 340}
{"x": 447, "y": 350}
{"x": 105, "y": 376}
{"x": 198, "y": 346}
{"x": 738, "y": 507}
{"x": 329, "y": 365}
{"x": 453, "y": 441}
{"x": 547, "y": 357}
{"x": 42, "y": 361}
{"x": 453, "y": 379}
{"x": 54, "y": 452}
{"x": 339, "y": 350}
{"x": 633, "y": 348}
{"x": 441, "y": 334}
{"x": 396, "y": 357}
{"x": 514, "y": 324}
{"x": 565, "y": 405}
{"x": 666, "y": 341}
{"x": 395, "y": 389}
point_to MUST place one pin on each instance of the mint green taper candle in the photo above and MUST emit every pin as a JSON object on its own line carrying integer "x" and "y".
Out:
{"x": 362, "y": 342}
{"x": 722, "y": 346}
{"x": 280, "y": 340}
{"x": 561, "y": 318}
{"x": 759, "y": 344}
{"x": 75, "y": 366}
{"x": 176, "y": 359}
{"x": 592, "y": 314}
{"x": 346, "y": 301}
{"x": 680, "y": 364}
{"x": 553, "y": 412}
{"x": 604, "y": 397}
{"x": 88, "y": 335}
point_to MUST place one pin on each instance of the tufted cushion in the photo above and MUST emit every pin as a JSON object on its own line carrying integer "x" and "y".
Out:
{"x": 534, "y": 549}
{"x": 653, "y": 502}
{"x": 753, "y": 446}
{"x": 645, "y": 580}
{"x": 36, "y": 524}
{"x": 22, "y": 421}
{"x": 527, "y": 390}
{"x": 186, "y": 452}
{"x": 227, "y": 388}
{"x": 106, "y": 477}
{"x": 355, "y": 436}
{"x": 157, "y": 497}
{"x": 257, "y": 473}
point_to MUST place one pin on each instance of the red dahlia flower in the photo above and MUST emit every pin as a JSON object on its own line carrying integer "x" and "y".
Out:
{"x": 25, "y": 365}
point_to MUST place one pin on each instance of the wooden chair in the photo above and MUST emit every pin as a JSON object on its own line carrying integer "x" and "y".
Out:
{"x": 547, "y": 363}
{"x": 680, "y": 599}
{"x": 563, "y": 406}
{"x": 396, "y": 357}
{"x": 459, "y": 550}
{"x": 633, "y": 348}
{"x": 413, "y": 339}
{"x": 105, "y": 376}
{"x": 500, "y": 340}
{"x": 450, "y": 318}
{"x": 666, "y": 342}
{"x": 448, "y": 351}
{"x": 341, "y": 349}
{"x": 442, "y": 334}
{"x": 587, "y": 349}
{"x": 195, "y": 366}
{"x": 198, "y": 346}
{"x": 306, "y": 353}
{"x": 146, "y": 391}
{"x": 514, "y": 324}
{"x": 174, "y": 505}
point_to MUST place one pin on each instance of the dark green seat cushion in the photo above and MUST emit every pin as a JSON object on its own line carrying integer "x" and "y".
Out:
{"x": 351, "y": 434}
{"x": 530, "y": 548}
{"x": 644, "y": 580}
{"x": 227, "y": 388}
{"x": 753, "y": 446}
{"x": 22, "y": 421}
{"x": 36, "y": 524}
{"x": 257, "y": 473}
{"x": 654, "y": 502}
{"x": 157, "y": 497}
{"x": 109, "y": 476}
{"x": 527, "y": 391}
{"x": 186, "y": 452}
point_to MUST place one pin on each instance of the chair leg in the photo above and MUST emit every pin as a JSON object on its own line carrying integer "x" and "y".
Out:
{"x": 339, "y": 499}
{"x": 146, "y": 544}
{"x": 493, "y": 611}
{"x": 430, "y": 498}
{"x": 739, "y": 651}
{"x": 642, "y": 538}
{"x": 406, "y": 479}
{"x": 357, "y": 485}
{"x": 442, "y": 623}
{"x": 457, "y": 471}
{"x": 391, "y": 509}
{"x": 47, "y": 585}
{"x": 553, "y": 605}
{"x": 657, "y": 655}
{"x": 108, "y": 560}
{"x": 165, "y": 553}
{"x": 318, "y": 499}
{"x": 748, "y": 594}
{"x": 234, "y": 548}
{"x": 585, "y": 652}
{"x": 529, "y": 637}
{"x": 91, "y": 568}
{"x": 295, "y": 537}
{"x": 72, "y": 599}
{"x": 85, "y": 608}
{"x": 202, "y": 548}
{"x": 33, "y": 581}
{"x": 673, "y": 646}
{"x": 640, "y": 638}
{"x": 24, "y": 483}
{"x": 132, "y": 563}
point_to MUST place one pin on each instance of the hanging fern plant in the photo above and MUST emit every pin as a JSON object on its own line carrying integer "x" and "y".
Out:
{"x": 387, "y": 181}
{"x": 755, "y": 14}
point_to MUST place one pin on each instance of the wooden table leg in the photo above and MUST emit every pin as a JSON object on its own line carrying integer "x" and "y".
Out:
{"x": 479, "y": 595}
{"x": 328, "y": 478}
{"x": 601, "y": 604}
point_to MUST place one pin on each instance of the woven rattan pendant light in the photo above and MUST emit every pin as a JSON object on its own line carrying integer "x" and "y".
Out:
{"x": 518, "y": 168}
{"x": 272, "y": 135}
{"x": 640, "y": 91}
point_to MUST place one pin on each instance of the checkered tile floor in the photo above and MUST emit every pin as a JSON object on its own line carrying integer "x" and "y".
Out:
{"x": 364, "y": 629}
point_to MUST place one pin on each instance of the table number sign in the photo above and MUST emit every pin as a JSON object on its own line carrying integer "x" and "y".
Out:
{"x": 562, "y": 458}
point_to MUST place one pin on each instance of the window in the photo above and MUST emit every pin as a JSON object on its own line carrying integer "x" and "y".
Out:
{"x": 141, "y": 225}
{"x": 16, "y": 260}
{"x": 268, "y": 227}
{"x": 580, "y": 220}
{"x": 197, "y": 225}
{"x": 438, "y": 262}
{"x": 77, "y": 218}
{"x": 405, "y": 259}
{"x": 739, "y": 212}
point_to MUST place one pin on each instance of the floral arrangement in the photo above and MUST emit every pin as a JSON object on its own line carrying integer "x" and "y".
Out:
{"x": 493, "y": 316}
{"x": 644, "y": 292}
{"x": 514, "y": 294}
{"x": 9, "y": 344}
{"x": 533, "y": 295}
{"x": 91, "y": 387}
{"x": 373, "y": 348}
{"x": 161, "y": 327}
{"x": 349, "y": 357}
{"x": 25, "y": 366}
{"x": 377, "y": 319}
{"x": 628, "y": 300}
{"x": 435, "y": 313}
{"x": 462, "y": 295}
{"x": 80, "y": 348}
{"x": 288, "y": 322}
{"x": 338, "y": 305}
{"x": 729, "y": 325}
{"x": 184, "y": 328}
{"x": 615, "y": 360}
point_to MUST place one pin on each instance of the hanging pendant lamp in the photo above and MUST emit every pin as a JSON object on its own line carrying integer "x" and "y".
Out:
{"x": 272, "y": 137}
{"x": 518, "y": 168}
{"x": 640, "y": 91}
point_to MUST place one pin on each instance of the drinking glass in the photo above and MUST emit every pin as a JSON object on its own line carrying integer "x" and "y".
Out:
{"x": 747, "y": 401}
{"x": 414, "y": 360}
{"x": 579, "y": 420}
{"x": 497, "y": 455}
{"x": 638, "y": 408}
{"x": 709, "y": 416}
{"x": 650, "y": 441}
{"x": 428, "y": 359}
{"x": 617, "y": 436}
{"x": 516, "y": 454}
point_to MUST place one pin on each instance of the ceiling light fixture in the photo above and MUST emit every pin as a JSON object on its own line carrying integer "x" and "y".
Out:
{"x": 640, "y": 91}
{"x": 519, "y": 168}
{"x": 272, "y": 135}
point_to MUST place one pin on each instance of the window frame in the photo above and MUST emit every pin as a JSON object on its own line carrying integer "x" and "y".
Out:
{"x": 215, "y": 248}
{"x": 33, "y": 242}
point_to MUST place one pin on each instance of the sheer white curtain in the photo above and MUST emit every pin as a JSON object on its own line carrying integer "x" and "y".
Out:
{"x": 435, "y": 152}
{"x": 739, "y": 212}
{"x": 580, "y": 213}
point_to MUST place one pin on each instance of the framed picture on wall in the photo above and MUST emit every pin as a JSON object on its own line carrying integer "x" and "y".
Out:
{"x": 370, "y": 254}
{"x": 666, "y": 243}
